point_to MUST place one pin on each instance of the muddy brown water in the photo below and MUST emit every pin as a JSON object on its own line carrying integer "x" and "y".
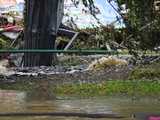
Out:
{"x": 15, "y": 101}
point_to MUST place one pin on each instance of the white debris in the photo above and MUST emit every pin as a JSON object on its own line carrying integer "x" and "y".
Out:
{"x": 3, "y": 68}
{"x": 105, "y": 62}
{"x": 26, "y": 74}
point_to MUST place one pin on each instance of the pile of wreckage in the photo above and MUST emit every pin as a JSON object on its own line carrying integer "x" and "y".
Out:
{"x": 11, "y": 28}
{"x": 11, "y": 20}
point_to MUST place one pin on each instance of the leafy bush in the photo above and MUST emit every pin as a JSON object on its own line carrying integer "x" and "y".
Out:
{"x": 116, "y": 87}
{"x": 4, "y": 43}
{"x": 151, "y": 71}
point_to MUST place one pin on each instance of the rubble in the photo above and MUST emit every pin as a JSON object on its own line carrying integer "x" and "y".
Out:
{"x": 106, "y": 62}
{"x": 4, "y": 70}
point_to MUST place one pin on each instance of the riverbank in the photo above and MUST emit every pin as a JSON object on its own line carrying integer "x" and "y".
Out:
{"x": 86, "y": 90}
{"x": 142, "y": 80}
{"x": 116, "y": 87}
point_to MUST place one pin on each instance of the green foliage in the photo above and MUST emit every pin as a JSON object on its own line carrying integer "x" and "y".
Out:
{"x": 116, "y": 87}
{"x": 142, "y": 21}
{"x": 98, "y": 37}
{"x": 4, "y": 43}
{"x": 86, "y": 90}
{"x": 21, "y": 86}
{"x": 146, "y": 72}
{"x": 142, "y": 13}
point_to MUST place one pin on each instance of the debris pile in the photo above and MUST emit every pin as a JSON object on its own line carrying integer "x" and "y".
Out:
{"x": 4, "y": 68}
{"x": 106, "y": 62}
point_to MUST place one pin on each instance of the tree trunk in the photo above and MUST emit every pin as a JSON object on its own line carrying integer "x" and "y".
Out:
{"x": 42, "y": 20}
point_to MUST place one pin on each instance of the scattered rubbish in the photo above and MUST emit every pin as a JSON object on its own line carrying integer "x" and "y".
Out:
{"x": 105, "y": 62}
{"x": 4, "y": 70}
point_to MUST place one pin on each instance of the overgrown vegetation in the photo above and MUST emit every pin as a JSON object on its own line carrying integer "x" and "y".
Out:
{"x": 142, "y": 21}
{"x": 103, "y": 37}
{"x": 117, "y": 87}
{"x": 114, "y": 87}
{"x": 151, "y": 71}
{"x": 144, "y": 80}
{"x": 4, "y": 42}
{"x": 142, "y": 25}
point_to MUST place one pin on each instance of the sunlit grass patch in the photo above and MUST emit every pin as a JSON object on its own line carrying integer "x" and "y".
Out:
{"x": 116, "y": 87}
{"x": 112, "y": 87}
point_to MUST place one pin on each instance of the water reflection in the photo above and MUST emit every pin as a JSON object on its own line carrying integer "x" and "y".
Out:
{"x": 42, "y": 91}
{"x": 13, "y": 101}
{"x": 41, "y": 106}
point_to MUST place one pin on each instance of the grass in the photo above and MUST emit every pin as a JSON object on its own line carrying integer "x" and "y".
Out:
{"x": 151, "y": 71}
{"x": 143, "y": 88}
{"x": 114, "y": 87}
{"x": 144, "y": 80}
{"x": 21, "y": 86}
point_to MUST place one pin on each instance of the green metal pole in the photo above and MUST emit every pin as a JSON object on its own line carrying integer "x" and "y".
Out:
{"x": 57, "y": 51}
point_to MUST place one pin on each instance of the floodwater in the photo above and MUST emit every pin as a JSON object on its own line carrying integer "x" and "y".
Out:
{"x": 14, "y": 101}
